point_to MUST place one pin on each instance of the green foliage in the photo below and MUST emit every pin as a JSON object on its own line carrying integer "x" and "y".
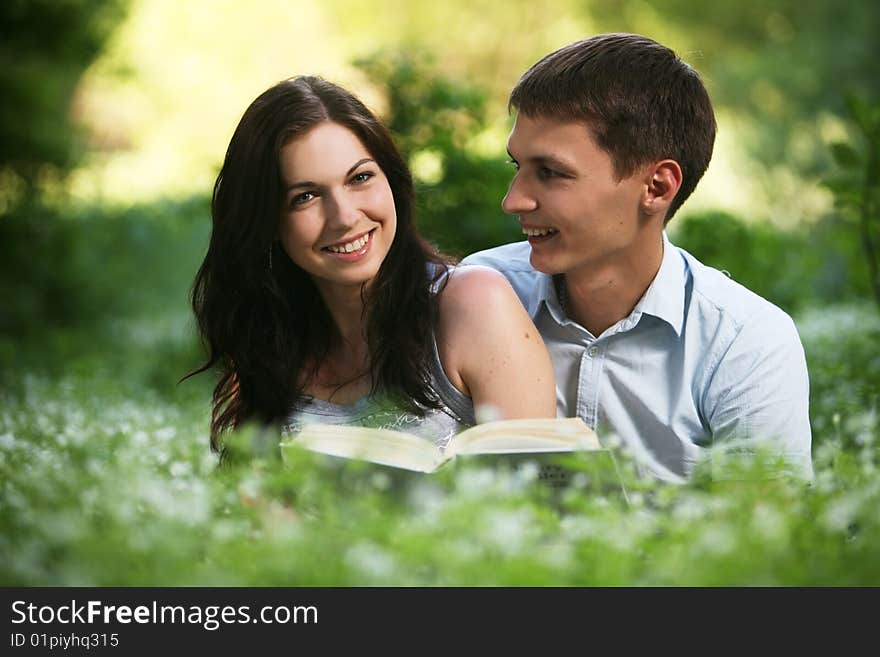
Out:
{"x": 47, "y": 267}
{"x": 429, "y": 114}
{"x": 426, "y": 110}
{"x": 856, "y": 183}
{"x": 80, "y": 267}
{"x": 844, "y": 365}
{"x": 45, "y": 46}
{"x": 793, "y": 269}
{"x": 107, "y": 480}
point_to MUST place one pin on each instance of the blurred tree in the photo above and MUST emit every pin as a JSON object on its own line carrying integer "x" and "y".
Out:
{"x": 856, "y": 184}
{"x": 434, "y": 118}
{"x": 45, "y": 46}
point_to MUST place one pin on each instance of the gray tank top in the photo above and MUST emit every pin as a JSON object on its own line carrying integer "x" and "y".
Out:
{"x": 439, "y": 425}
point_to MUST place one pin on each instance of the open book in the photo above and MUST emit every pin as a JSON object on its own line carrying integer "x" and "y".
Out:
{"x": 410, "y": 452}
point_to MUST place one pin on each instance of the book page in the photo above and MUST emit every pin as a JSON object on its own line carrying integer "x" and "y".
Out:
{"x": 383, "y": 446}
{"x": 518, "y": 436}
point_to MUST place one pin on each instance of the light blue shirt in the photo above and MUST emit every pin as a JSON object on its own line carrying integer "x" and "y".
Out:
{"x": 700, "y": 368}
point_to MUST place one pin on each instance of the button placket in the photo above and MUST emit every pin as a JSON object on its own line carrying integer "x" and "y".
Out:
{"x": 588, "y": 382}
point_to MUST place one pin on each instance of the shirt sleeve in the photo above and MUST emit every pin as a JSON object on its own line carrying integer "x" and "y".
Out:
{"x": 758, "y": 395}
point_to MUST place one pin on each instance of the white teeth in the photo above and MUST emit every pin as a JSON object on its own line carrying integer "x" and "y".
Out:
{"x": 539, "y": 232}
{"x": 357, "y": 245}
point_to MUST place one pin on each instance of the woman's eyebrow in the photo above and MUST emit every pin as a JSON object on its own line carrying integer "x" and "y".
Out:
{"x": 309, "y": 183}
{"x": 357, "y": 164}
{"x": 304, "y": 183}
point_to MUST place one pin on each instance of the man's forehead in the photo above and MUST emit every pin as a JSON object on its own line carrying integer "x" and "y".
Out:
{"x": 549, "y": 139}
{"x": 543, "y": 129}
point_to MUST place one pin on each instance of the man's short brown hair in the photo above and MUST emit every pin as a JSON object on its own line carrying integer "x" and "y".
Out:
{"x": 640, "y": 100}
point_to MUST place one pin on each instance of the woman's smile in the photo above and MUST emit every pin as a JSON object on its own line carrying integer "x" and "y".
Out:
{"x": 350, "y": 250}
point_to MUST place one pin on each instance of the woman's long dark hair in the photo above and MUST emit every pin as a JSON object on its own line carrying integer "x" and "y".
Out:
{"x": 266, "y": 327}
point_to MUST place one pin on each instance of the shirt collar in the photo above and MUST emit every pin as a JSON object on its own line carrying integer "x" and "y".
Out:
{"x": 663, "y": 299}
{"x": 545, "y": 293}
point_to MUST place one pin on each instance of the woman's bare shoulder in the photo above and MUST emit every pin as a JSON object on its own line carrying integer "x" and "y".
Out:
{"x": 475, "y": 289}
{"x": 481, "y": 315}
{"x": 490, "y": 348}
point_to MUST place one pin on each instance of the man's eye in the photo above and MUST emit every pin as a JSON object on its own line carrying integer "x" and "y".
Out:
{"x": 362, "y": 177}
{"x": 545, "y": 173}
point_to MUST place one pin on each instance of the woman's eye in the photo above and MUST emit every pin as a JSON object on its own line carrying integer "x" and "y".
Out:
{"x": 514, "y": 163}
{"x": 545, "y": 173}
{"x": 362, "y": 177}
{"x": 299, "y": 199}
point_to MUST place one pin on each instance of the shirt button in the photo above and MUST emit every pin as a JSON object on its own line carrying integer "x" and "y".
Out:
{"x": 592, "y": 351}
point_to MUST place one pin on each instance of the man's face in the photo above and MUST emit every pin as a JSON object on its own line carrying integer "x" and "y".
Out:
{"x": 577, "y": 214}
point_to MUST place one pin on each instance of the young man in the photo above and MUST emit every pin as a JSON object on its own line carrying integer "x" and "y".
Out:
{"x": 611, "y": 136}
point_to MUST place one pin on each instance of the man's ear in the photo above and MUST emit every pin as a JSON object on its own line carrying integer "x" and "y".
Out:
{"x": 663, "y": 181}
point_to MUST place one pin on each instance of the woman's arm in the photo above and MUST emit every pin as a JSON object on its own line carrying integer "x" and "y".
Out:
{"x": 491, "y": 350}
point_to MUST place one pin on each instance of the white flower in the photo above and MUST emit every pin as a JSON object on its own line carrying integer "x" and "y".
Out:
{"x": 371, "y": 560}
{"x": 7, "y": 441}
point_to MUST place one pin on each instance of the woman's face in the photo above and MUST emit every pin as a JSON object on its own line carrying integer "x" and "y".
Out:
{"x": 337, "y": 211}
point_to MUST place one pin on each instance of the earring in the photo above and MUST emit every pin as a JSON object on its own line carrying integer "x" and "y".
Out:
{"x": 270, "y": 255}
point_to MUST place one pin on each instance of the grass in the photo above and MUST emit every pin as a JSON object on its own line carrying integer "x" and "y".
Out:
{"x": 107, "y": 480}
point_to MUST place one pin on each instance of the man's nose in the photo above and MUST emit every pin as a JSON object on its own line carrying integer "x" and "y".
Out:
{"x": 518, "y": 200}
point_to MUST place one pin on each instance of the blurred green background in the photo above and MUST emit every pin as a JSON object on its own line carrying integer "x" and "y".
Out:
{"x": 115, "y": 120}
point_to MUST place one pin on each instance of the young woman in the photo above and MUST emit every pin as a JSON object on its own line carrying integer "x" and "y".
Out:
{"x": 319, "y": 302}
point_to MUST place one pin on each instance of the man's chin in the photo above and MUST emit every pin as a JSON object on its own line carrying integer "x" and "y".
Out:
{"x": 544, "y": 265}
